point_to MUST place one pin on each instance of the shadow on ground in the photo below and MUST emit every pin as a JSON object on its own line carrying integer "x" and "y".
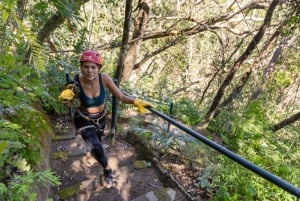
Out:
{"x": 81, "y": 175}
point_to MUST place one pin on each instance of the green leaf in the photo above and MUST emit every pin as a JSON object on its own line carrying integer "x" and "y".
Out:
{"x": 3, "y": 146}
{"x": 21, "y": 164}
{"x": 5, "y": 15}
{"x": 3, "y": 189}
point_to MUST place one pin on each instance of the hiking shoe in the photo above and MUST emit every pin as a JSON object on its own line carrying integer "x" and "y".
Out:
{"x": 108, "y": 176}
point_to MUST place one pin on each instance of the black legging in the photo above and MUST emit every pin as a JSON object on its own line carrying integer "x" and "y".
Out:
{"x": 92, "y": 136}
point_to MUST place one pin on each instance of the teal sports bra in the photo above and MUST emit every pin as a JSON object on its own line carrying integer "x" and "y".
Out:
{"x": 92, "y": 102}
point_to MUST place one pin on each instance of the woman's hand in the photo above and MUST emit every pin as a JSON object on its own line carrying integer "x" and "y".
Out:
{"x": 68, "y": 103}
{"x": 66, "y": 97}
{"x": 141, "y": 104}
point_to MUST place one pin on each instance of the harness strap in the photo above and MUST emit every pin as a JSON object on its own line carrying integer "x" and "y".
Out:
{"x": 86, "y": 117}
{"x": 94, "y": 121}
{"x": 83, "y": 115}
{"x": 84, "y": 127}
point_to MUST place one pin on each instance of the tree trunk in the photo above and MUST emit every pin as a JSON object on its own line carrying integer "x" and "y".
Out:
{"x": 244, "y": 79}
{"x": 125, "y": 39}
{"x": 142, "y": 18}
{"x": 211, "y": 111}
{"x": 242, "y": 82}
{"x": 269, "y": 69}
{"x": 21, "y": 5}
{"x": 286, "y": 122}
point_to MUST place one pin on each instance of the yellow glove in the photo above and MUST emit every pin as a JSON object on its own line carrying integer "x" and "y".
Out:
{"x": 141, "y": 104}
{"x": 66, "y": 95}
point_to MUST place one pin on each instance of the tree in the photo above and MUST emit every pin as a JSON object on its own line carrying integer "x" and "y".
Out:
{"x": 269, "y": 68}
{"x": 138, "y": 33}
{"x": 54, "y": 22}
{"x": 122, "y": 57}
{"x": 263, "y": 53}
{"x": 256, "y": 39}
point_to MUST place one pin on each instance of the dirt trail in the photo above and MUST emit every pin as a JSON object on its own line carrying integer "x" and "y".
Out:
{"x": 80, "y": 173}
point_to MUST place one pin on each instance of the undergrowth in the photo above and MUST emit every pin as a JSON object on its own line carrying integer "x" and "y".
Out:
{"x": 21, "y": 126}
{"x": 247, "y": 134}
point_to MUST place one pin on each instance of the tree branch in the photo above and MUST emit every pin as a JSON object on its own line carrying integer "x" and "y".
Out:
{"x": 242, "y": 82}
{"x": 149, "y": 56}
{"x": 205, "y": 25}
{"x": 53, "y": 23}
{"x": 211, "y": 111}
{"x": 286, "y": 122}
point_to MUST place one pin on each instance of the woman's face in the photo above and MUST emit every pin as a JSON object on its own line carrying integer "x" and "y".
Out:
{"x": 89, "y": 70}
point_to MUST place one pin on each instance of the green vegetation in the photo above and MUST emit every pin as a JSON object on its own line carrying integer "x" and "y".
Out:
{"x": 187, "y": 54}
{"x": 20, "y": 134}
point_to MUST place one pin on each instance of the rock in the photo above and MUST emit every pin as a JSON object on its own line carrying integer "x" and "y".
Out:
{"x": 141, "y": 164}
{"x": 163, "y": 194}
{"x": 71, "y": 190}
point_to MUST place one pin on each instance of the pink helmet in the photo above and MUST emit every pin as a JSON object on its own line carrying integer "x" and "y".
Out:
{"x": 91, "y": 56}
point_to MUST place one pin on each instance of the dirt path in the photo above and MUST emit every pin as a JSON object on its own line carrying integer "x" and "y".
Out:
{"x": 80, "y": 173}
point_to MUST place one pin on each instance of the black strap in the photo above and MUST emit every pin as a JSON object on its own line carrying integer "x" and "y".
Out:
{"x": 73, "y": 81}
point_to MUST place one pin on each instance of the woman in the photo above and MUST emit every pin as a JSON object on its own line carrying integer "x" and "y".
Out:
{"x": 89, "y": 119}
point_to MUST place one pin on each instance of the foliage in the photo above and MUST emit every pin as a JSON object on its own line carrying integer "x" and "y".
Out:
{"x": 21, "y": 124}
{"x": 20, "y": 186}
{"x": 248, "y": 134}
{"x": 232, "y": 185}
{"x": 165, "y": 139}
{"x": 187, "y": 112}
{"x": 19, "y": 136}
{"x": 56, "y": 73}
{"x": 191, "y": 69}
{"x": 161, "y": 138}
{"x": 19, "y": 91}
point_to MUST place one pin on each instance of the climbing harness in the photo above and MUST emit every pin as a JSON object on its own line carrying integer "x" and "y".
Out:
{"x": 94, "y": 118}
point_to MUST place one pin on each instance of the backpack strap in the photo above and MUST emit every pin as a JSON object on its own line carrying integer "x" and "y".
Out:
{"x": 73, "y": 81}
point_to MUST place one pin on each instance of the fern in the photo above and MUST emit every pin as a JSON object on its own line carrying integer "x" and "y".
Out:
{"x": 19, "y": 188}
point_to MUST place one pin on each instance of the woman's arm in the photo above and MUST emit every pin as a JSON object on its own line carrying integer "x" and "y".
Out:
{"x": 109, "y": 83}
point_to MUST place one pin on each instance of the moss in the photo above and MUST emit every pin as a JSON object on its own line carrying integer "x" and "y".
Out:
{"x": 55, "y": 137}
{"x": 162, "y": 194}
{"x": 45, "y": 149}
{"x": 69, "y": 191}
{"x": 60, "y": 155}
{"x": 140, "y": 146}
{"x": 141, "y": 164}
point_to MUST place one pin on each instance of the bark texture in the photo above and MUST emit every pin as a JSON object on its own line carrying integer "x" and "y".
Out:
{"x": 125, "y": 39}
{"x": 140, "y": 24}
